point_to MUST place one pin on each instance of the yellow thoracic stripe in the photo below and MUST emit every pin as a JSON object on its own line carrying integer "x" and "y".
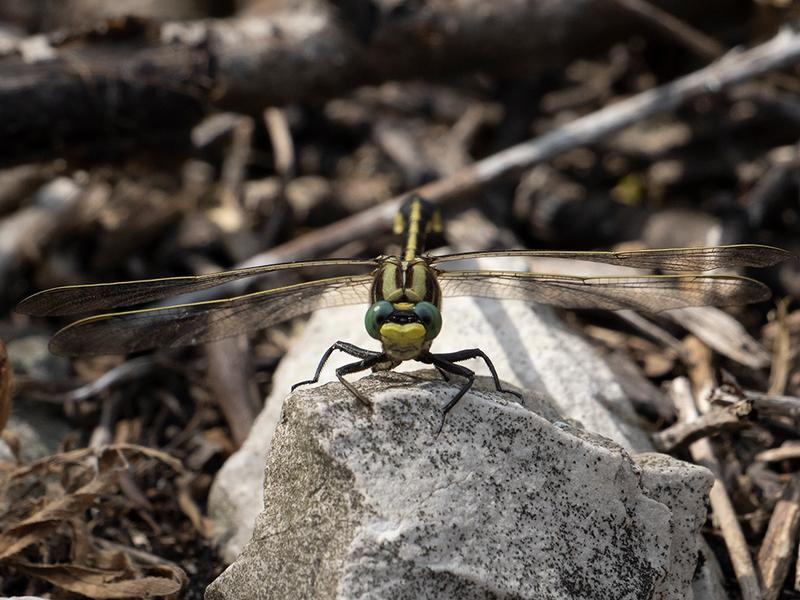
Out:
{"x": 389, "y": 289}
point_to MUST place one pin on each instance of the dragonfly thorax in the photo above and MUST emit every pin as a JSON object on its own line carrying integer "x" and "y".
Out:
{"x": 400, "y": 281}
{"x": 404, "y": 314}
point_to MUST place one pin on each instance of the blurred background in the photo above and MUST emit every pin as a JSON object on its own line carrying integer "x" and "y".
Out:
{"x": 142, "y": 139}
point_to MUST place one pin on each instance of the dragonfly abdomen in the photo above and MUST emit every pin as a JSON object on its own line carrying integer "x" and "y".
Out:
{"x": 415, "y": 220}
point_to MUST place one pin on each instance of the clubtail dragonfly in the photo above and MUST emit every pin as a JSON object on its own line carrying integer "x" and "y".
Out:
{"x": 405, "y": 295}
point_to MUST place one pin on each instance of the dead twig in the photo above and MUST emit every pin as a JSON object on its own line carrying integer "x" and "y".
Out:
{"x": 728, "y": 418}
{"x": 781, "y": 351}
{"x": 724, "y": 514}
{"x": 229, "y": 377}
{"x": 789, "y": 450}
{"x": 780, "y": 541}
{"x": 282, "y": 144}
{"x": 701, "y": 373}
{"x": 780, "y": 411}
{"x": 695, "y": 40}
{"x": 659, "y": 334}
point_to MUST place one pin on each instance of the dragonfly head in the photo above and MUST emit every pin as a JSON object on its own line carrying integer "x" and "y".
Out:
{"x": 405, "y": 329}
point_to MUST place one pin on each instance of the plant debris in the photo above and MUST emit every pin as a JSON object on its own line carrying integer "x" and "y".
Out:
{"x": 618, "y": 137}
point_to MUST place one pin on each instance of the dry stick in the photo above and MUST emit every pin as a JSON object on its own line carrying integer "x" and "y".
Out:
{"x": 652, "y": 330}
{"x": 728, "y": 418}
{"x": 779, "y": 411}
{"x": 723, "y": 512}
{"x": 234, "y": 170}
{"x": 280, "y": 136}
{"x": 695, "y": 40}
{"x": 229, "y": 376}
{"x": 775, "y": 554}
{"x": 282, "y": 145}
{"x": 789, "y": 450}
{"x": 700, "y": 371}
{"x": 797, "y": 573}
{"x": 781, "y": 352}
{"x": 784, "y": 48}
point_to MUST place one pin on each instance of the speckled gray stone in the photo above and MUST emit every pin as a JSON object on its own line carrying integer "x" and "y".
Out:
{"x": 683, "y": 487}
{"x": 528, "y": 344}
{"x": 504, "y": 503}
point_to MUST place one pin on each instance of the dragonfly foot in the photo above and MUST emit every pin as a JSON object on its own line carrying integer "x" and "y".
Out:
{"x": 299, "y": 383}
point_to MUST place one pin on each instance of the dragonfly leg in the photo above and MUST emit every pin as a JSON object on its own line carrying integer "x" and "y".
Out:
{"x": 447, "y": 366}
{"x": 454, "y": 357}
{"x": 355, "y": 367}
{"x": 350, "y": 349}
{"x": 443, "y": 373}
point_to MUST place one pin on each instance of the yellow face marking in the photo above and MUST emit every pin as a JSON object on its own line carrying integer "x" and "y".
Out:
{"x": 403, "y": 305}
{"x": 403, "y": 341}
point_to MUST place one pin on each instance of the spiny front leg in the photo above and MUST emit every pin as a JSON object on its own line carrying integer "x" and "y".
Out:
{"x": 443, "y": 373}
{"x": 355, "y": 367}
{"x": 454, "y": 357}
{"x": 347, "y": 348}
{"x": 447, "y": 366}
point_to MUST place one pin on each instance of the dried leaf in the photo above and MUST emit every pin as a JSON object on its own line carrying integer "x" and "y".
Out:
{"x": 51, "y": 516}
{"x": 99, "y": 583}
{"x": 111, "y": 456}
{"x": 45, "y": 504}
{"x": 191, "y": 510}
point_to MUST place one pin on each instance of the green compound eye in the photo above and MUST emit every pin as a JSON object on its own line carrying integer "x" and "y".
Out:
{"x": 376, "y": 316}
{"x": 431, "y": 318}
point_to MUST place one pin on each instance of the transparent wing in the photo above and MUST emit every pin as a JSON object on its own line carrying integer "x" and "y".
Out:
{"x": 651, "y": 293}
{"x": 76, "y": 299}
{"x": 665, "y": 259}
{"x": 187, "y": 324}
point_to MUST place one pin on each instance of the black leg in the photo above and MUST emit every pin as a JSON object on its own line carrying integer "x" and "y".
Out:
{"x": 443, "y": 373}
{"x": 454, "y": 357}
{"x": 346, "y": 348}
{"x": 443, "y": 365}
{"x": 355, "y": 367}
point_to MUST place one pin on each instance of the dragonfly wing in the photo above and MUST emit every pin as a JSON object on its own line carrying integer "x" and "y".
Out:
{"x": 650, "y": 293}
{"x": 665, "y": 259}
{"x": 187, "y": 324}
{"x": 76, "y": 299}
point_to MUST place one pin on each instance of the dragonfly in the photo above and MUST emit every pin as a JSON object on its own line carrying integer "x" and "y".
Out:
{"x": 404, "y": 293}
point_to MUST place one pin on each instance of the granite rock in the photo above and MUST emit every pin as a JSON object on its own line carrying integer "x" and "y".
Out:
{"x": 508, "y": 501}
{"x": 528, "y": 344}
